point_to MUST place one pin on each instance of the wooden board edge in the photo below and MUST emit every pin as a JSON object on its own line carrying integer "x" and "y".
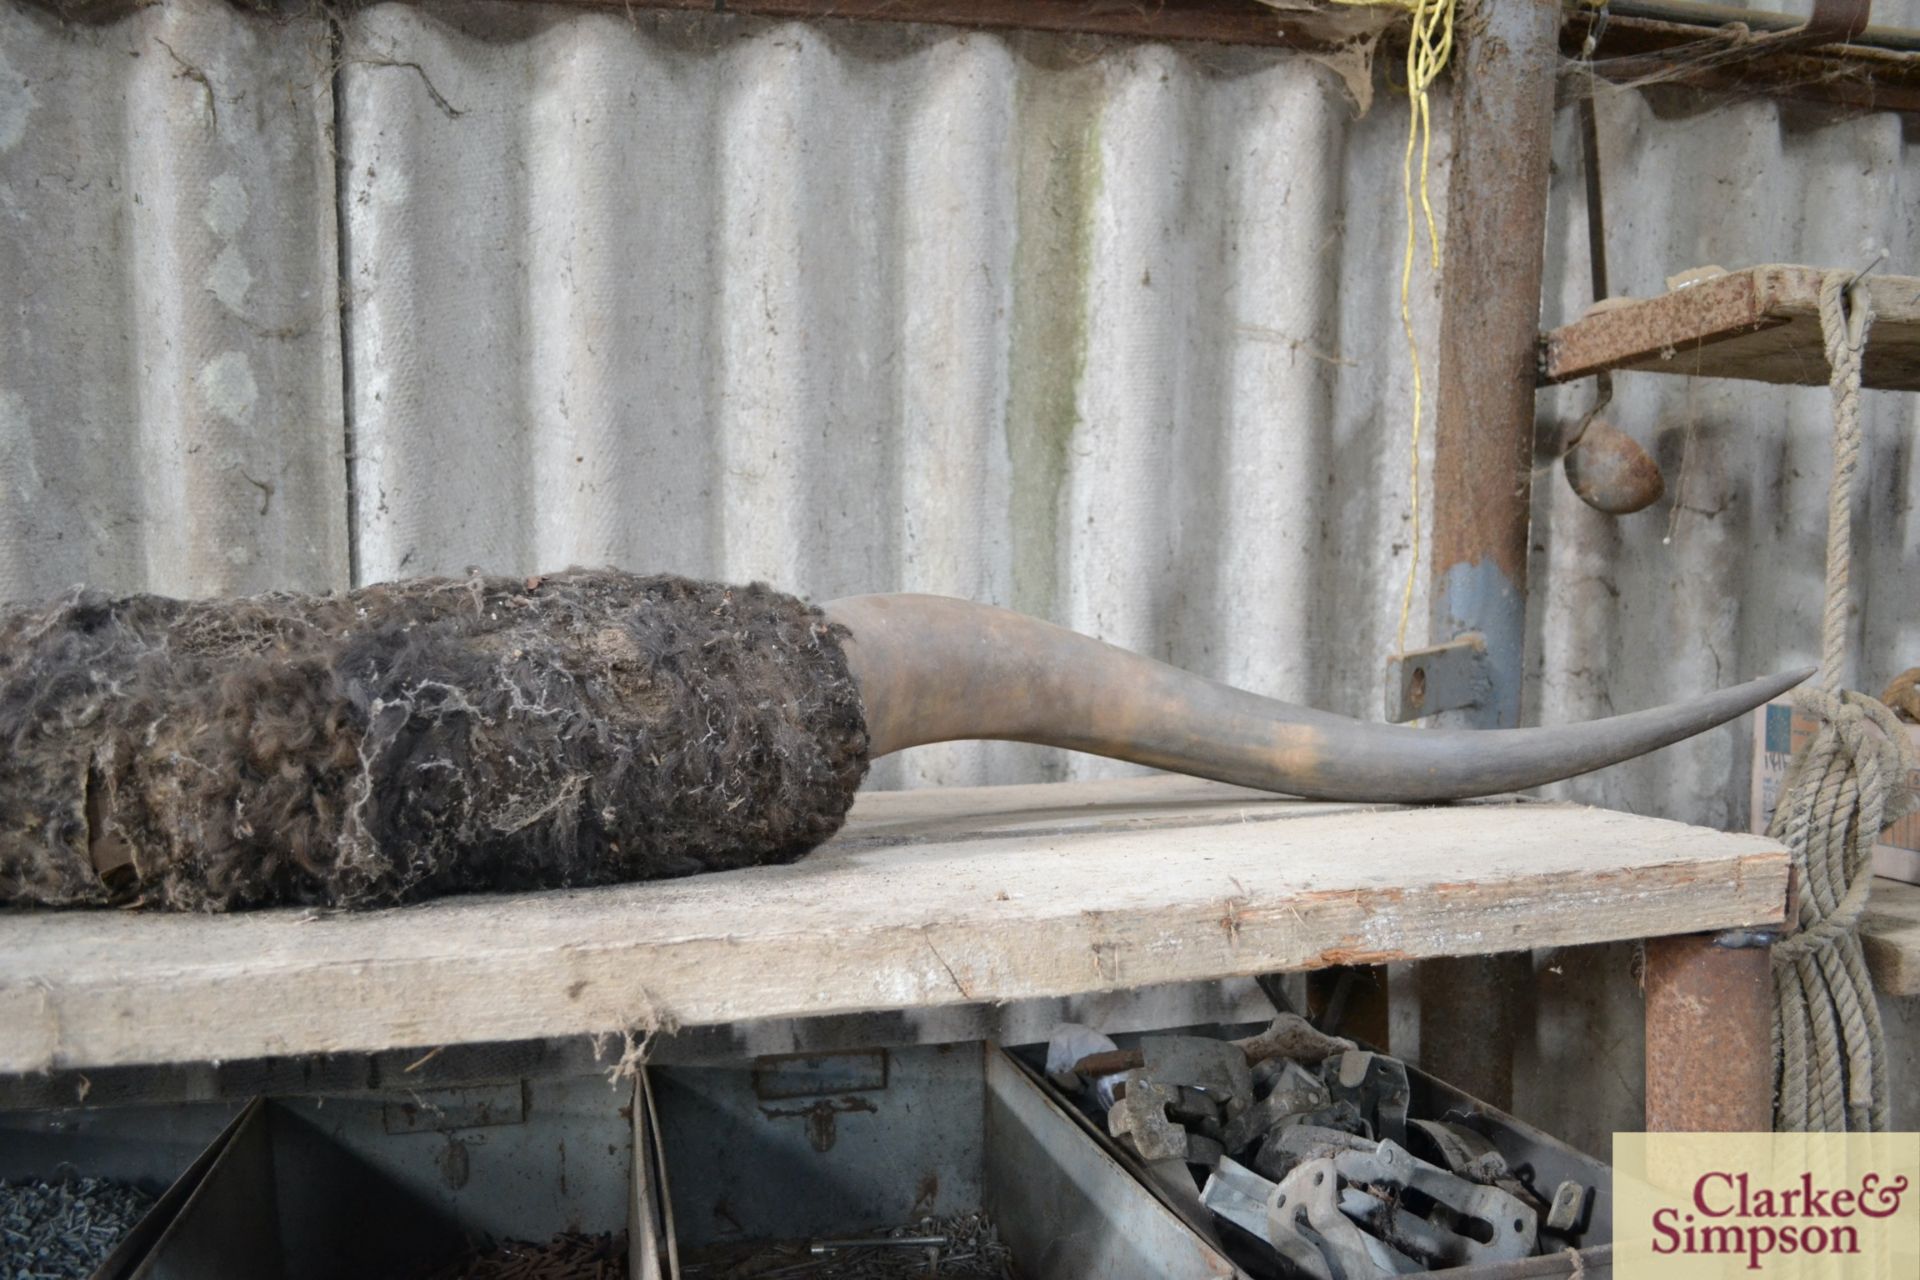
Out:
{"x": 711, "y": 981}
{"x": 1640, "y": 333}
{"x": 1641, "y": 337}
{"x": 1890, "y": 937}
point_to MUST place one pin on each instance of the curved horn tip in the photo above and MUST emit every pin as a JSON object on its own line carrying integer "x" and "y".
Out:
{"x": 1787, "y": 681}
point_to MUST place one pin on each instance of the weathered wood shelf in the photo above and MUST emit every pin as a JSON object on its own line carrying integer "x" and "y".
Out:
{"x": 1761, "y": 324}
{"x": 927, "y": 898}
{"x": 1890, "y": 933}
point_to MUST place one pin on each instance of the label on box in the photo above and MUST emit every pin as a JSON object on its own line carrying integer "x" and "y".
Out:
{"x": 1779, "y": 732}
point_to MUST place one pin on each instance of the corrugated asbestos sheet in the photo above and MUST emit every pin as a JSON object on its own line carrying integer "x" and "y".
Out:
{"x": 170, "y": 394}
{"x": 1101, "y": 332}
{"x": 1723, "y": 579}
{"x": 1106, "y": 332}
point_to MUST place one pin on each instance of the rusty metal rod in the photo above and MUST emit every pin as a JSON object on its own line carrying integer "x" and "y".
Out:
{"x": 1596, "y": 253}
{"x": 879, "y": 1242}
{"x": 933, "y": 669}
{"x": 1709, "y": 1034}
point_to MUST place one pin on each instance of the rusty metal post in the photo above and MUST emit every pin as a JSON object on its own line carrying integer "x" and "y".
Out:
{"x": 1489, "y": 332}
{"x": 1710, "y": 1033}
{"x": 1472, "y": 1008}
{"x": 1503, "y": 87}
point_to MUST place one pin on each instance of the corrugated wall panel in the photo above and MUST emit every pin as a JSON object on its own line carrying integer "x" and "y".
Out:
{"x": 170, "y": 404}
{"x": 1106, "y": 332}
{"x": 1043, "y": 322}
{"x": 1723, "y": 578}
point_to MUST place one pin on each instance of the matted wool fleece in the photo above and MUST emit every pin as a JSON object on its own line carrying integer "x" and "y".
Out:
{"x": 417, "y": 738}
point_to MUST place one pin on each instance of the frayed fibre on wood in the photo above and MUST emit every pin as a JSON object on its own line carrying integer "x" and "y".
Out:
{"x": 414, "y": 739}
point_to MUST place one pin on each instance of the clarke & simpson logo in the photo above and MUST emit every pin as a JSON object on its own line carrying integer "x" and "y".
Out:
{"x": 1773, "y": 1205}
{"x": 1729, "y": 1217}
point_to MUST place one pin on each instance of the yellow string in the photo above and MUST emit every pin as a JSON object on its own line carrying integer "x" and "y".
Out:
{"x": 1429, "y": 45}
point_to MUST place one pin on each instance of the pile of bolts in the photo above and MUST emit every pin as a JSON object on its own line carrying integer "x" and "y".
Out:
{"x": 62, "y": 1228}
{"x": 1303, "y": 1141}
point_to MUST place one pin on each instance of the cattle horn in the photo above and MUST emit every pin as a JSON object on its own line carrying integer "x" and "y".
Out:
{"x": 933, "y": 669}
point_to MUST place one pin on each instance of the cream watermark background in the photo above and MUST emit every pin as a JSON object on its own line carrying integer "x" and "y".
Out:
{"x": 1773, "y": 1205}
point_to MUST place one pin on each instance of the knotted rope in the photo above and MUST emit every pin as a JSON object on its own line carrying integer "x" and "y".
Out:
{"x": 1829, "y": 1056}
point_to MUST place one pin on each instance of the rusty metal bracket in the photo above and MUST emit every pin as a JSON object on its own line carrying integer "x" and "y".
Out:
{"x": 1446, "y": 677}
{"x": 1294, "y": 1093}
{"x": 1217, "y": 1068}
{"x": 1376, "y": 1085}
{"x": 1306, "y": 1225}
{"x": 1142, "y": 1119}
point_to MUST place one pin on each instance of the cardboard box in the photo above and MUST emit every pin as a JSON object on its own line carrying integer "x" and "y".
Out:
{"x": 1780, "y": 731}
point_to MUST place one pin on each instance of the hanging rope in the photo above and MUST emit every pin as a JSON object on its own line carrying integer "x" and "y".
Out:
{"x": 1429, "y": 45}
{"x": 1846, "y": 314}
{"x": 1829, "y": 1054}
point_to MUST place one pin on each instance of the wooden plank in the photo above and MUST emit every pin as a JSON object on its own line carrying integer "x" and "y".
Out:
{"x": 930, "y": 898}
{"x": 1890, "y": 934}
{"x": 1761, "y": 324}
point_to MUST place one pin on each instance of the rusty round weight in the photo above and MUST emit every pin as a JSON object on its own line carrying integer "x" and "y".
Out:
{"x": 1611, "y": 472}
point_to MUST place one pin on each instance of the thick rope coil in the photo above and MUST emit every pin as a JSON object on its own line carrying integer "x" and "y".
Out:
{"x": 1830, "y": 1061}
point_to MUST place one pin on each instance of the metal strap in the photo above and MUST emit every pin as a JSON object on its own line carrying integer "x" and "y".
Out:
{"x": 1835, "y": 21}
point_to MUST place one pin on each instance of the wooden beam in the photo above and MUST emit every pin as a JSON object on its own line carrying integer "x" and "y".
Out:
{"x": 929, "y": 898}
{"x": 1890, "y": 933}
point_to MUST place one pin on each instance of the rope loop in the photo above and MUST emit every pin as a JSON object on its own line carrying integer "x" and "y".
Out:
{"x": 1860, "y": 748}
{"x": 1851, "y": 780}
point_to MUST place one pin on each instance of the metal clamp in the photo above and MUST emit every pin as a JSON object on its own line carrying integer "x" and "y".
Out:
{"x": 1508, "y": 1226}
{"x": 1306, "y": 1225}
{"x": 1377, "y": 1087}
{"x": 1141, "y": 1119}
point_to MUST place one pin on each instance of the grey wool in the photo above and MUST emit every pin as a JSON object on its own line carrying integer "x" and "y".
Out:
{"x": 416, "y": 738}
